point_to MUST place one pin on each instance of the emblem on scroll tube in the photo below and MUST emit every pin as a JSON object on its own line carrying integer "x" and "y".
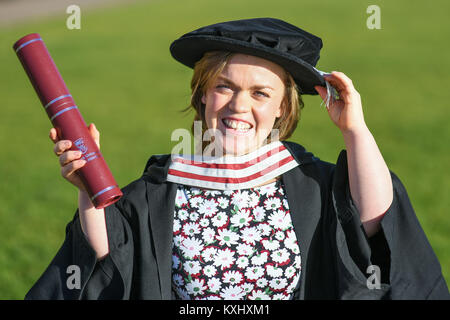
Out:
{"x": 79, "y": 143}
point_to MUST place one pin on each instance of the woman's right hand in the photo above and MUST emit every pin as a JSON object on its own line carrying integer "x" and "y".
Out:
{"x": 69, "y": 160}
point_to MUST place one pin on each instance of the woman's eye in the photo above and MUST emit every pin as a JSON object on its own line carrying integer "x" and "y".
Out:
{"x": 262, "y": 94}
{"x": 222, "y": 86}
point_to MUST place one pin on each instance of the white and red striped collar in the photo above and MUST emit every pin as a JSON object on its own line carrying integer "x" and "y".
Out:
{"x": 232, "y": 173}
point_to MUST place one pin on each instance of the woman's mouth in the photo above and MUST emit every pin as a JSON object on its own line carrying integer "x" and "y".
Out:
{"x": 237, "y": 125}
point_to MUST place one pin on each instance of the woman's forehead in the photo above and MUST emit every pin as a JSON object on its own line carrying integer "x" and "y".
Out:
{"x": 251, "y": 68}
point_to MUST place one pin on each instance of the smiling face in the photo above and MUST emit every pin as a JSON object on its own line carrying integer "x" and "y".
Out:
{"x": 243, "y": 102}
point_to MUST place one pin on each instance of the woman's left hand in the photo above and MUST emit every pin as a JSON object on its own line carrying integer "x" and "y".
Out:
{"x": 346, "y": 113}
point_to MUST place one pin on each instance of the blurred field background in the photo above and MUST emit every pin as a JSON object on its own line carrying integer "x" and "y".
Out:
{"x": 120, "y": 72}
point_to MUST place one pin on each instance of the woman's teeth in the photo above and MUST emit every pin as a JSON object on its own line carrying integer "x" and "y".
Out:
{"x": 236, "y": 125}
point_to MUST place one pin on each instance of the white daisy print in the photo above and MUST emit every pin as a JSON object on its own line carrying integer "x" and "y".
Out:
{"x": 183, "y": 214}
{"x": 274, "y": 271}
{"x": 191, "y": 229}
{"x": 281, "y": 256}
{"x": 270, "y": 244}
{"x": 178, "y": 280}
{"x": 289, "y": 272}
{"x": 280, "y": 220}
{"x": 241, "y": 219}
{"x": 260, "y": 259}
{"x": 265, "y": 229}
{"x": 224, "y": 259}
{"x": 192, "y": 267}
{"x": 279, "y": 235}
{"x": 195, "y": 202}
{"x": 259, "y": 295}
{"x": 285, "y": 204}
{"x": 268, "y": 189}
{"x": 247, "y": 287}
{"x": 237, "y": 244}
{"x": 209, "y": 271}
{"x": 212, "y": 193}
{"x": 180, "y": 199}
{"x": 291, "y": 242}
{"x": 204, "y": 222}
{"x": 278, "y": 283}
{"x": 261, "y": 283}
{"x": 227, "y": 237}
{"x": 208, "y": 208}
{"x": 254, "y": 273}
{"x": 175, "y": 261}
{"x": 250, "y": 235}
{"x": 242, "y": 262}
{"x": 223, "y": 202}
{"x": 272, "y": 203}
{"x": 193, "y": 216}
{"x": 244, "y": 249}
{"x": 232, "y": 277}
{"x": 293, "y": 284}
{"x": 219, "y": 219}
{"x": 196, "y": 287}
{"x": 176, "y": 226}
{"x": 232, "y": 293}
{"x": 259, "y": 213}
{"x": 209, "y": 253}
{"x": 177, "y": 240}
{"x": 280, "y": 296}
{"x": 253, "y": 200}
{"x": 191, "y": 247}
{"x": 240, "y": 199}
{"x": 208, "y": 235}
{"x": 182, "y": 293}
{"x": 214, "y": 284}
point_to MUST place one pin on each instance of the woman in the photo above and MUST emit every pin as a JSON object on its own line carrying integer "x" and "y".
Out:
{"x": 256, "y": 217}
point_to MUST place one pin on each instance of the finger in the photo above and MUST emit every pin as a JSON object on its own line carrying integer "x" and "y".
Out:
{"x": 322, "y": 91}
{"x": 342, "y": 81}
{"x": 61, "y": 146}
{"x": 94, "y": 133}
{"x": 53, "y": 134}
{"x": 69, "y": 156}
{"x": 70, "y": 168}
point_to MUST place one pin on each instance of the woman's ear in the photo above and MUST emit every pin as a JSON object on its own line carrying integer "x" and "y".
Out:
{"x": 203, "y": 99}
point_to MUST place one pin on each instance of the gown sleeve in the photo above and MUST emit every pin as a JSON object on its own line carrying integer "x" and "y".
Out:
{"x": 396, "y": 263}
{"x": 76, "y": 273}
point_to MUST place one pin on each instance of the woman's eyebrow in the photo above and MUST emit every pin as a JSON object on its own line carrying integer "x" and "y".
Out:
{"x": 257, "y": 86}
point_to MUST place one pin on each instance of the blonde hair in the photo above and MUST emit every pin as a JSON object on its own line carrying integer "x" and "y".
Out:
{"x": 211, "y": 65}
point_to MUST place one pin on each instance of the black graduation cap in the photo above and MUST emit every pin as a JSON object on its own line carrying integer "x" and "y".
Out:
{"x": 278, "y": 41}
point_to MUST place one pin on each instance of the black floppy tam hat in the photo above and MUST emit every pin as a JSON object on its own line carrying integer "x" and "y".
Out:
{"x": 296, "y": 50}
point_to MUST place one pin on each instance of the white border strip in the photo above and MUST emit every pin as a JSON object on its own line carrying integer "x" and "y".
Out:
{"x": 233, "y": 186}
{"x": 27, "y": 43}
{"x": 57, "y": 99}
{"x": 102, "y": 192}
{"x": 62, "y": 111}
{"x": 232, "y": 173}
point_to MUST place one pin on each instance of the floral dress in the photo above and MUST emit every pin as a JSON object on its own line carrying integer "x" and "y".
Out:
{"x": 234, "y": 245}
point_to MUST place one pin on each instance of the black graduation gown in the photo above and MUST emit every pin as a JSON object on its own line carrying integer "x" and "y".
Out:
{"x": 335, "y": 251}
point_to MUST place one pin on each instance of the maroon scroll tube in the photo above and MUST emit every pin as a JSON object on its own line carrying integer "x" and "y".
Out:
{"x": 65, "y": 117}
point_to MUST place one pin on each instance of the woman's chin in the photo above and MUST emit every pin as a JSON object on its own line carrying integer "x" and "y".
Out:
{"x": 238, "y": 147}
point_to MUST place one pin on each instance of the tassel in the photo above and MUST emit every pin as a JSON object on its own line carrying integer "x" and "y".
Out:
{"x": 332, "y": 93}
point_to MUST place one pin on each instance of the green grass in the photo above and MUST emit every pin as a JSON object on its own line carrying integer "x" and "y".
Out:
{"x": 120, "y": 72}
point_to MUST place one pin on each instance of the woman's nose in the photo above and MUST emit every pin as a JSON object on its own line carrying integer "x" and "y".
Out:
{"x": 241, "y": 102}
